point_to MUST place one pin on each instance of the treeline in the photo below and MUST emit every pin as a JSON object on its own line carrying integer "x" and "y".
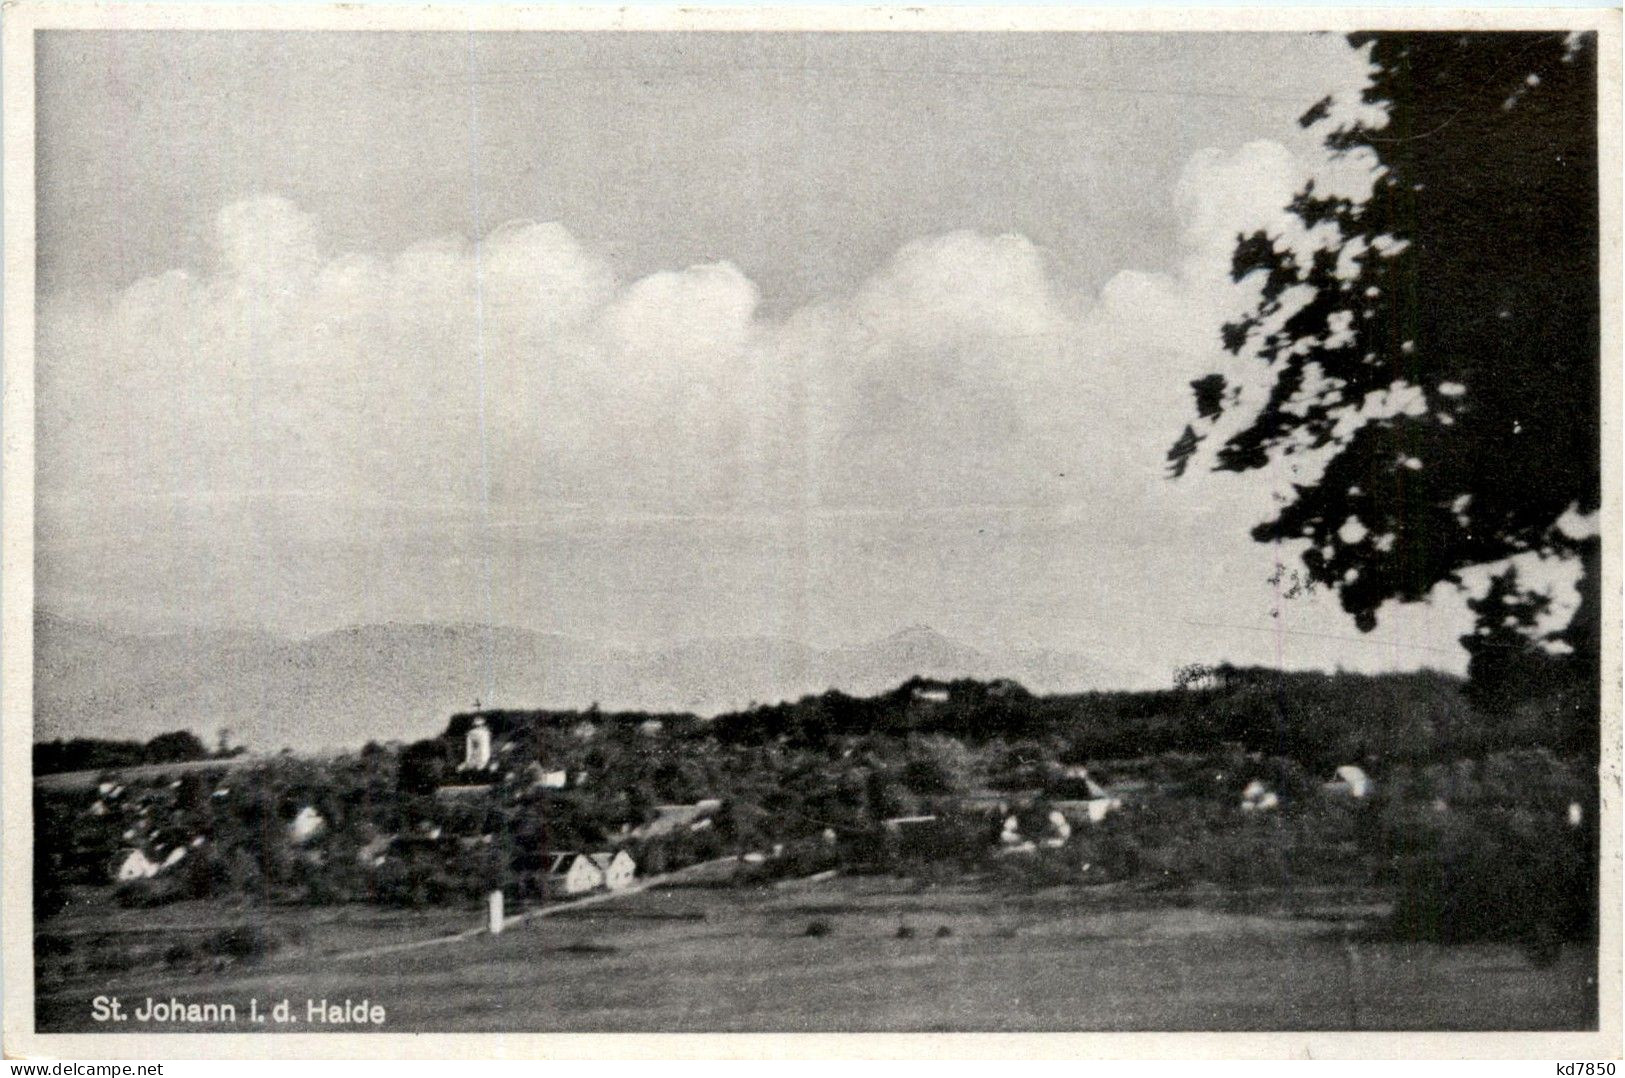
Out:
{"x": 1318, "y": 719}
{"x": 97, "y": 754}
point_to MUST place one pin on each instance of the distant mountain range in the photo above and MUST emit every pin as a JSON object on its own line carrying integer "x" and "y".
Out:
{"x": 395, "y": 681}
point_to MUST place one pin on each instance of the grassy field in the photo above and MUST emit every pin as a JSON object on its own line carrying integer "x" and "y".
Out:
{"x": 698, "y": 959}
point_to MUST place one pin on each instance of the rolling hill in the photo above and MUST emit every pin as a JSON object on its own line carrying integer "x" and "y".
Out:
{"x": 400, "y": 681}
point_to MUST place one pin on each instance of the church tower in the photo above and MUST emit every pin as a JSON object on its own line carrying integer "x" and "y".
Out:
{"x": 477, "y": 747}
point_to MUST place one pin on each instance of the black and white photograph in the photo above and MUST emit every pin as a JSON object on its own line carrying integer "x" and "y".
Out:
{"x": 953, "y": 526}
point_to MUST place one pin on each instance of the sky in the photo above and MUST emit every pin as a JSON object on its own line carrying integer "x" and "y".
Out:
{"x": 647, "y": 338}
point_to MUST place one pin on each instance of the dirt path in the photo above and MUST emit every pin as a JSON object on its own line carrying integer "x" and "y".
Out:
{"x": 552, "y": 908}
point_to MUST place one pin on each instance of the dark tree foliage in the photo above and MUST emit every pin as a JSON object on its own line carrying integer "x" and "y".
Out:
{"x": 92, "y": 753}
{"x": 1469, "y": 277}
{"x": 86, "y": 754}
{"x": 1504, "y": 662}
{"x": 176, "y": 747}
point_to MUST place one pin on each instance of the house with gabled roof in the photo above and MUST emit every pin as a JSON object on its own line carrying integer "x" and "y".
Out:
{"x": 1077, "y": 796}
{"x": 133, "y": 864}
{"x": 571, "y": 874}
{"x": 617, "y": 868}
{"x": 1349, "y": 781}
{"x": 672, "y": 818}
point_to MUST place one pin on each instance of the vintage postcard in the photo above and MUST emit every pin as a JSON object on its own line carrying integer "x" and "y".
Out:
{"x": 816, "y": 531}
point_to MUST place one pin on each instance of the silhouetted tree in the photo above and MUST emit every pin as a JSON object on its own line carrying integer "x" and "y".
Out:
{"x": 175, "y": 747}
{"x": 1443, "y": 348}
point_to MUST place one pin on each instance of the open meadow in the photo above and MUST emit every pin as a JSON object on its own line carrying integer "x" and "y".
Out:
{"x": 885, "y": 955}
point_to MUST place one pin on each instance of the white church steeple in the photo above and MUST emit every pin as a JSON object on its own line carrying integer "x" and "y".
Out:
{"x": 477, "y": 747}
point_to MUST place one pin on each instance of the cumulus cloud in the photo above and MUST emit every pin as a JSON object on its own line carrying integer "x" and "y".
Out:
{"x": 392, "y": 406}
{"x": 517, "y": 372}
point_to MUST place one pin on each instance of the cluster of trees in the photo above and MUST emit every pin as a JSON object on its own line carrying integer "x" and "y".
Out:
{"x": 1319, "y": 719}
{"x": 94, "y": 754}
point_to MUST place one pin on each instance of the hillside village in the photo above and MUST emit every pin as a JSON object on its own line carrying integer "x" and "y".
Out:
{"x": 1244, "y": 780}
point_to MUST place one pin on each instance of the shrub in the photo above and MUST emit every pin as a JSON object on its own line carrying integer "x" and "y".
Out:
{"x": 1499, "y": 860}
{"x": 245, "y": 943}
{"x": 144, "y": 894}
{"x": 818, "y": 928}
{"x": 1041, "y": 868}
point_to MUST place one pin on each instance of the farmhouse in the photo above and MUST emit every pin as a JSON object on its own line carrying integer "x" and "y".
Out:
{"x": 1011, "y": 839}
{"x": 617, "y": 868}
{"x": 373, "y": 853}
{"x": 407, "y": 847}
{"x": 994, "y": 802}
{"x": 538, "y": 778}
{"x": 670, "y": 818}
{"x": 1349, "y": 781}
{"x": 465, "y": 790}
{"x": 1258, "y": 798}
{"x": 571, "y": 874}
{"x": 306, "y": 825}
{"x": 133, "y": 864}
{"x": 1074, "y": 783}
{"x": 931, "y": 693}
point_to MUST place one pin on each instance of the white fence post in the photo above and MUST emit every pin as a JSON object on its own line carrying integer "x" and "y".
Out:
{"x": 494, "y": 903}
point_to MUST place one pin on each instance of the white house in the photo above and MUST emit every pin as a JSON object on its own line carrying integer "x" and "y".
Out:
{"x": 1079, "y": 797}
{"x": 306, "y": 825}
{"x": 670, "y": 818}
{"x": 1092, "y": 810}
{"x": 617, "y": 868}
{"x": 1011, "y": 839}
{"x": 1077, "y": 777}
{"x": 572, "y": 874}
{"x": 539, "y": 778}
{"x": 1350, "y": 781}
{"x": 1258, "y": 798}
{"x": 374, "y": 853}
{"x": 1056, "y": 830}
{"x": 1059, "y": 830}
{"x": 134, "y": 864}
